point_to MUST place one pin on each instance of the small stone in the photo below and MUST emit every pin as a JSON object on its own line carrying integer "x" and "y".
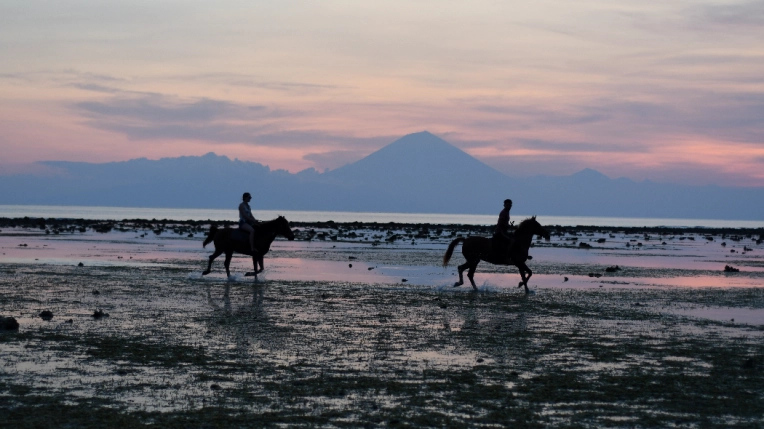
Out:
{"x": 46, "y": 315}
{"x": 95, "y": 292}
{"x": 99, "y": 314}
{"x": 565, "y": 279}
{"x": 480, "y": 360}
{"x": 215, "y": 387}
{"x": 80, "y": 264}
{"x": 751, "y": 363}
{"x": 404, "y": 280}
{"x": 8, "y": 324}
{"x": 350, "y": 265}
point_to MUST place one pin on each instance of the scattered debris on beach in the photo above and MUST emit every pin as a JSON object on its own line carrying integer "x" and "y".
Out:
{"x": 8, "y": 324}
{"x": 99, "y": 314}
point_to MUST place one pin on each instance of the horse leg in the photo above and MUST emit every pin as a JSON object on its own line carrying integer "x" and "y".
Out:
{"x": 524, "y": 269}
{"x": 461, "y": 269}
{"x": 254, "y": 265}
{"x": 262, "y": 267}
{"x": 228, "y": 256}
{"x": 212, "y": 258}
{"x": 471, "y": 273}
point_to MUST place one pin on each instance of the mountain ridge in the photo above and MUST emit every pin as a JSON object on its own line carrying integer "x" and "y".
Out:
{"x": 419, "y": 172}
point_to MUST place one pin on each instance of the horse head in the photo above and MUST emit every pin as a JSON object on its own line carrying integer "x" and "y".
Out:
{"x": 282, "y": 228}
{"x": 534, "y": 227}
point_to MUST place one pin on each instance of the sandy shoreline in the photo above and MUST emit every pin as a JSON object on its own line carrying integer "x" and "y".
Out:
{"x": 320, "y": 343}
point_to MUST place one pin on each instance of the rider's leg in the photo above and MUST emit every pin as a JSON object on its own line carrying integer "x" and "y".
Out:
{"x": 251, "y": 231}
{"x": 497, "y": 244}
{"x": 508, "y": 238}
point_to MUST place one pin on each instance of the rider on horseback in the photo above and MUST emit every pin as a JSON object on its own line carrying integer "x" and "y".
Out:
{"x": 502, "y": 236}
{"x": 247, "y": 222}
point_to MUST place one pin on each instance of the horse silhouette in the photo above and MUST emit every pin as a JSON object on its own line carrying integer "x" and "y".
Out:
{"x": 229, "y": 241}
{"x": 476, "y": 249}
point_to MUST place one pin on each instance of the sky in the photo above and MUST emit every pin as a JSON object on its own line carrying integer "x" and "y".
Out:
{"x": 669, "y": 91}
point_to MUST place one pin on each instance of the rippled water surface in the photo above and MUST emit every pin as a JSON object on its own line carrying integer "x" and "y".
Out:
{"x": 669, "y": 339}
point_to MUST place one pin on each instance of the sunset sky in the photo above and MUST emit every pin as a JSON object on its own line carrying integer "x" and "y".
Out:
{"x": 670, "y": 91}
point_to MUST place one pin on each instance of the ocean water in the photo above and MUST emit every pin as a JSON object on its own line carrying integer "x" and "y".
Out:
{"x": 120, "y": 213}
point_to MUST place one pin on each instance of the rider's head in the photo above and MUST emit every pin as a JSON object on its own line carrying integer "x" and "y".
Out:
{"x": 508, "y": 203}
{"x": 246, "y": 196}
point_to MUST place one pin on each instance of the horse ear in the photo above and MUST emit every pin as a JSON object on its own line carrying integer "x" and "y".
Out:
{"x": 534, "y": 217}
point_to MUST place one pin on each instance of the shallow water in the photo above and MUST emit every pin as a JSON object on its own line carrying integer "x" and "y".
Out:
{"x": 315, "y": 342}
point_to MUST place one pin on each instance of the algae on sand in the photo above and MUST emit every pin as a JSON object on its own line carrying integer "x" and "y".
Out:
{"x": 178, "y": 352}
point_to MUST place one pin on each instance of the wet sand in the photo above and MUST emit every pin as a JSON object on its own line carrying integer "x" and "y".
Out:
{"x": 669, "y": 339}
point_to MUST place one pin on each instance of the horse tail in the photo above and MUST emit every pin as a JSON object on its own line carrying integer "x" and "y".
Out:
{"x": 450, "y": 251}
{"x": 210, "y": 235}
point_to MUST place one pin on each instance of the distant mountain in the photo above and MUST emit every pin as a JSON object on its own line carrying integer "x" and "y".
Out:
{"x": 418, "y": 173}
{"x": 423, "y": 173}
{"x": 420, "y": 159}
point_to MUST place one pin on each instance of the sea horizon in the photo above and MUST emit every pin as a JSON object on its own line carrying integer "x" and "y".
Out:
{"x": 222, "y": 215}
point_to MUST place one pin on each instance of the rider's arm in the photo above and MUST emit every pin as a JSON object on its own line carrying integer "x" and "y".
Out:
{"x": 247, "y": 214}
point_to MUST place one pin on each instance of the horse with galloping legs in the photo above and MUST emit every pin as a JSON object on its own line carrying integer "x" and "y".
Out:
{"x": 476, "y": 249}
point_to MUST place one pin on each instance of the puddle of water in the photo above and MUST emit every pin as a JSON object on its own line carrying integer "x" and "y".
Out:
{"x": 746, "y": 316}
{"x": 392, "y": 263}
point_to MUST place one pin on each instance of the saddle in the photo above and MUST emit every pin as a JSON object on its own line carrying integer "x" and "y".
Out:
{"x": 239, "y": 234}
{"x": 502, "y": 245}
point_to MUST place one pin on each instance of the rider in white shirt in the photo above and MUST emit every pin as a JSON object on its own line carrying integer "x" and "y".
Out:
{"x": 246, "y": 220}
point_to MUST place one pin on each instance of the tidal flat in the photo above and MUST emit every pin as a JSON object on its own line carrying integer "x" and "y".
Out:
{"x": 669, "y": 340}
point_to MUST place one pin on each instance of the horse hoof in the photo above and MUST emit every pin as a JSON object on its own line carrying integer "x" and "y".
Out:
{"x": 204, "y": 273}
{"x": 458, "y": 284}
{"x": 249, "y": 274}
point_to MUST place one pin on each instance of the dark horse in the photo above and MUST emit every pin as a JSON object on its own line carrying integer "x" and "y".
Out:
{"x": 476, "y": 249}
{"x": 229, "y": 241}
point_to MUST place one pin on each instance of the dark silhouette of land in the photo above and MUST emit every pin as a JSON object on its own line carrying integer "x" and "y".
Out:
{"x": 419, "y": 173}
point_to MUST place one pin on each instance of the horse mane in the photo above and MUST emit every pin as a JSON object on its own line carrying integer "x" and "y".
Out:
{"x": 527, "y": 222}
{"x": 270, "y": 224}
